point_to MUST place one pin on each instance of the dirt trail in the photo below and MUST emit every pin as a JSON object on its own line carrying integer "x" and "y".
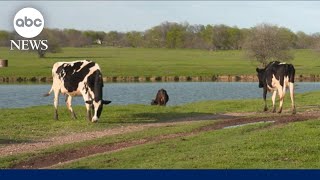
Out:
{"x": 17, "y": 148}
{"x": 75, "y": 154}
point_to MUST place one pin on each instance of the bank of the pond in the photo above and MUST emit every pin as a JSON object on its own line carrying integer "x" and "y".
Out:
{"x": 213, "y": 78}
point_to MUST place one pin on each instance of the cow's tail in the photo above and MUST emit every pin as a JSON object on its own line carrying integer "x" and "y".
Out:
{"x": 47, "y": 94}
{"x": 291, "y": 73}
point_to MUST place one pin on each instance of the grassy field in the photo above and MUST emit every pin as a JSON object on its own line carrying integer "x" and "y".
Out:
{"x": 150, "y": 62}
{"x": 27, "y": 124}
{"x": 9, "y": 161}
{"x": 293, "y": 145}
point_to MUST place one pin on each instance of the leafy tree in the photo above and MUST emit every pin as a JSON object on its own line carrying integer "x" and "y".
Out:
{"x": 316, "y": 44}
{"x": 76, "y": 38}
{"x": 221, "y": 37}
{"x": 154, "y": 37}
{"x": 290, "y": 36}
{"x": 134, "y": 39}
{"x": 96, "y": 37}
{"x": 234, "y": 37}
{"x": 53, "y": 42}
{"x": 304, "y": 40}
{"x": 207, "y": 36}
{"x": 193, "y": 37}
{"x": 175, "y": 36}
{"x": 112, "y": 38}
{"x": 4, "y": 38}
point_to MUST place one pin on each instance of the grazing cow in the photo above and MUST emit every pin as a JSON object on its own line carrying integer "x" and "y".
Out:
{"x": 161, "y": 99}
{"x": 275, "y": 77}
{"x": 78, "y": 78}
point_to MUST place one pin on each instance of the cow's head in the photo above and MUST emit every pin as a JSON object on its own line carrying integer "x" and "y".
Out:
{"x": 261, "y": 76}
{"x": 154, "y": 102}
{"x": 96, "y": 92}
{"x": 97, "y": 106}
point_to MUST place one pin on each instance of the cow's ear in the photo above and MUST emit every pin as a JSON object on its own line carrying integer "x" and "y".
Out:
{"x": 106, "y": 102}
{"x": 89, "y": 102}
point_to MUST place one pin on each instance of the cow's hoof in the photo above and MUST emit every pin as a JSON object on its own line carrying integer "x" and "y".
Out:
{"x": 265, "y": 109}
{"x": 73, "y": 116}
{"x": 280, "y": 111}
{"x": 273, "y": 110}
{"x": 294, "y": 111}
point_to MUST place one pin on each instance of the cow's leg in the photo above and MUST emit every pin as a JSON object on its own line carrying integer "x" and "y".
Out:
{"x": 88, "y": 102}
{"x": 69, "y": 106}
{"x": 56, "y": 103}
{"x": 88, "y": 107}
{"x": 274, "y": 101}
{"x": 281, "y": 97}
{"x": 265, "y": 99}
{"x": 291, "y": 88}
{"x": 89, "y": 115}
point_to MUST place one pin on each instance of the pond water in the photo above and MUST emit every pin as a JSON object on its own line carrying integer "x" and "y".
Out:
{"x": 12, "y": 96}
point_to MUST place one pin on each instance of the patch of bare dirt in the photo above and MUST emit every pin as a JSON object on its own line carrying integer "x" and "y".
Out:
{"x": 61, "y": 157}
{"x": 276, "y": 118}
{"x": 17, "y": 148}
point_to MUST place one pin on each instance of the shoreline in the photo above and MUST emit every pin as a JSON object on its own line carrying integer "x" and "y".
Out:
{"x": 213, "y": 78}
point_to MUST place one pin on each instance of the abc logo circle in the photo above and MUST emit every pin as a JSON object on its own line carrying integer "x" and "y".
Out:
{"x": 28, "y": 22}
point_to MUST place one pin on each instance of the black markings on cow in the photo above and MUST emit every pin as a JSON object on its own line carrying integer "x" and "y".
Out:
{"x": 161, "y": 99}
{"x": 276, "y": 77}
{"x": 71, "y": 74}
{"x": 79, "y": 78}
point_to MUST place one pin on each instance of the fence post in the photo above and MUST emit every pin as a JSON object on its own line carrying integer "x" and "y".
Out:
{"x": 3, "y": 63}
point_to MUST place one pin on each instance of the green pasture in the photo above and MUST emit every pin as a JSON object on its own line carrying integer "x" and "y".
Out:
{"x": 295, "y": 145}
{"x": 33, "y": 123}
{"x": 9, "y": 161}
{"x": 150, "y": 62}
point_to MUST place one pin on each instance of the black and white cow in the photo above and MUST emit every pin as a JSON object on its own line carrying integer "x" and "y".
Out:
{"x": 275, "y": 77}
{"x": 162, "y": 98}
{"x": 78, "y": 78}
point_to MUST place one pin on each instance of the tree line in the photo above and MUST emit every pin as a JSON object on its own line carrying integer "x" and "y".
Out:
{"x": 166, "y": 35}
{"x": 263, "y": 42}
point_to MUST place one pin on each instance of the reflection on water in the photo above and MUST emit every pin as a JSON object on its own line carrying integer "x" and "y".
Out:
{"x": 142, "y": 93}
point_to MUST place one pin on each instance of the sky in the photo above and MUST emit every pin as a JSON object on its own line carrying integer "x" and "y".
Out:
{"x": 141, "y": 15}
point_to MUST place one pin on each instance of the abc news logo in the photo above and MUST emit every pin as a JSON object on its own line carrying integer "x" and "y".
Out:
{"x": 28, "y": 23}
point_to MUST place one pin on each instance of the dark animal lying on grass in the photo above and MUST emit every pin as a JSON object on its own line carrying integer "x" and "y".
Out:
{"x": 161, "y": 99}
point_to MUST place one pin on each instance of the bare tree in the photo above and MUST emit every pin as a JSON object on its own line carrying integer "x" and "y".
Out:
{"x": 267, "y": 42}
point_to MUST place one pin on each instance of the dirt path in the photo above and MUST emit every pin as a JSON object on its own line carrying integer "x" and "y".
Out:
{"x": 229, "y": 120}
{"x": 83, "y": 136}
